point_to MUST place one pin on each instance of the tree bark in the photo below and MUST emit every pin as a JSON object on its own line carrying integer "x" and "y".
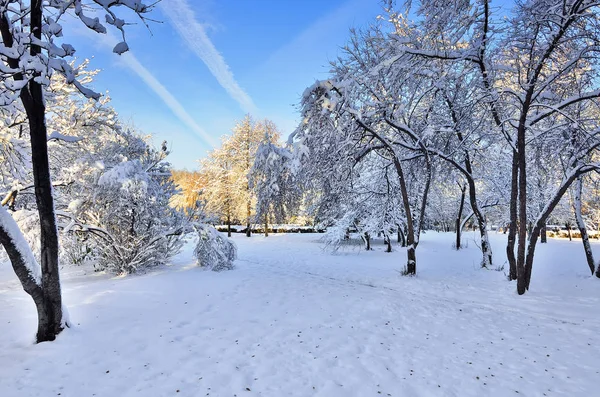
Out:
{"x": 401, "y": 238}
{"x": 542, "y": 218}
{"x": 587, "y": 248}
{"x": 49, "y": 300}
{"x": 459, "y": 216}
{"x": 512, "y": 226}
{"x": 388, "y": 242}
{"x": 411, "y": 260}
{"x": 544, "y": 234}
{"x": 367, "y": 241}
{"x": 47, "y": 329}
{"x": 486, "y": 248}
{"x": 266, "y": 226}
{"x": 522, "y": 283}
{"x": 411, "y": 266}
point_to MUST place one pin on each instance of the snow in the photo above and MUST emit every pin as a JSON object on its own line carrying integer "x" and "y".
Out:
{"x": 295, "y": 320}
{"x": 61, "y": 137}
{"x": 14, "y": 233}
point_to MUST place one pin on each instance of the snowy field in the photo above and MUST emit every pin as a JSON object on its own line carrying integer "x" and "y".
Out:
{"x": 294, "y": 320}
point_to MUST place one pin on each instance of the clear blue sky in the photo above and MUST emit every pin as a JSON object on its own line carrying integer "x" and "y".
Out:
{"x": 198, "y": 72}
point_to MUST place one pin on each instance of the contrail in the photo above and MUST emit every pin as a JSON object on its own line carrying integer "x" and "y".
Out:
{"x": 109, "y": 40}
{"x": 182, "y": 18}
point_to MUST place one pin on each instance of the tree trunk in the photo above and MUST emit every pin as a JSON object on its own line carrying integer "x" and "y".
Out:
{"x": 22, "y": 261}
{"x": 544, "y": 234}
{"x": 248, "y": 228}
{"x": 587, "y": 248}
{"x": 367, "y": 241}
{"x": 542, "y": 218}
{"x": 459, "y": 216}
{"x": 401, "y": 238}
{"x": 45, "y": 206}
{"x": 228, "y": 225}
{"x": 411, "y": 266}
{"x": 522, "y": 284}
{"x": 266, "y": 226}
{"x": 48, "y": 300}
{"x": 411, "y": 260}
{"x": 512, "y": 226}
{"x": 387, "y": 241}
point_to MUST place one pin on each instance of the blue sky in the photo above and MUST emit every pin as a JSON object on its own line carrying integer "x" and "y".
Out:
{"x": 196, "y": 73}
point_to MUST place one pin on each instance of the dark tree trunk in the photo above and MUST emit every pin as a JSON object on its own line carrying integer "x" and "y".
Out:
{"x": 48, "y": 299}
{"x": 367, "y": 241}
{"x": 486, "y": 248}
{"x": 401, "y": 238}
{"x": 228, "y": 225}
{"x": 266, "y": 226}
{"x": 568, "y": 226}
{"x": 522, "y": 283}
{"x": 411, "y": 260}
{"x": 544, "y": 234}
{"x": 533, "y": 237}
{"x": 45, "y": 206}
{"x": 459, "y": 216}
{"x": 411, "y": 266}
{"x": 587, "y": 248}
{"x": 512, "y": 226}
{"x": 387, "y": 241}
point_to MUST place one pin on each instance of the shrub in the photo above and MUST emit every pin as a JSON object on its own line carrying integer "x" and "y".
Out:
{"x": 214, "y": 251}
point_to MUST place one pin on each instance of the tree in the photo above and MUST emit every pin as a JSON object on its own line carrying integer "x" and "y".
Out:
{"x": 29, "y": 56}
{"x": 244, "y": 142}
{"x": 532, "y": 95}
{"x": 273, "y": 181}
{"x": 226, "y": 173}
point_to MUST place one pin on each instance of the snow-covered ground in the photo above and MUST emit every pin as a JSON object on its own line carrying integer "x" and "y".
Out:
{"x": 294, "y": 320}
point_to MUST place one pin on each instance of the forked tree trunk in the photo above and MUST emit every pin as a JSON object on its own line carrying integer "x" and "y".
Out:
{"x": 486, "y": 248}
{"x": 587, "y": 248}
{"x": 45, "y": 206}
{"x": 47, "y": 298}
{"x": 533, "y": 237}
{"x": 22, "y": 263}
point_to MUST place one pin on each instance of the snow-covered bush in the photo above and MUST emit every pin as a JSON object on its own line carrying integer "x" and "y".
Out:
{"x": 131, "y": 206}
{"x": 214, "y": 251}
{"x": 78, "y": 248}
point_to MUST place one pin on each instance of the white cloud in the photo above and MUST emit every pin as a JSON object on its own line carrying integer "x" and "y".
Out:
{"x": 182, "y": 18}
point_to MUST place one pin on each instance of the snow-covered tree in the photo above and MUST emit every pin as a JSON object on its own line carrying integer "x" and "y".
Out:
{"x": 273, "y": 181}
{"x": 30, "y": 53}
